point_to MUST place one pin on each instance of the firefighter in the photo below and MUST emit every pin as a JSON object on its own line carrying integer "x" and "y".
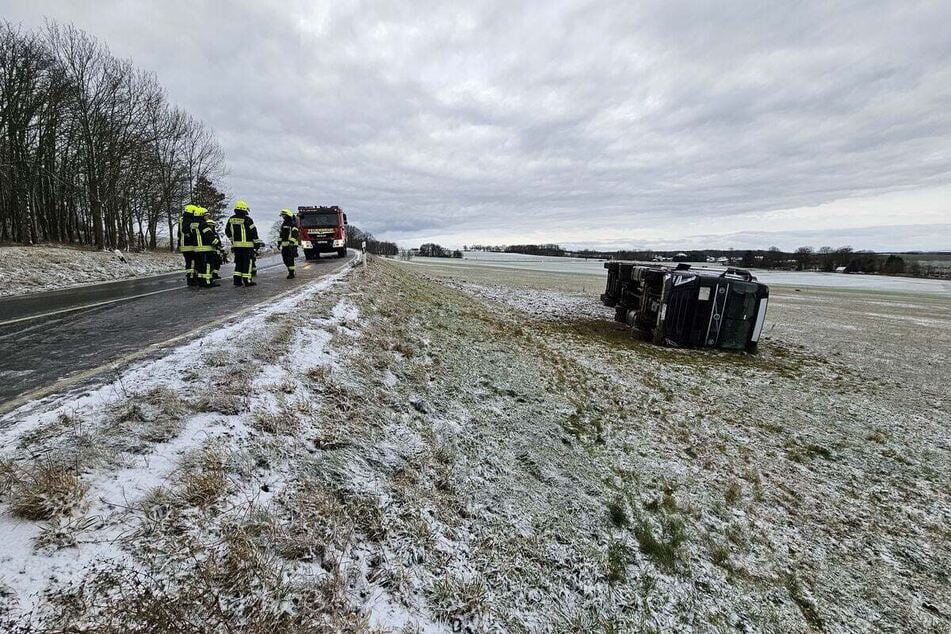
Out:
{"x": 289, "y": 241}
{"x": 220, "y": 256}
{"x": 207, "y": 244}
{"x": 185, "y": 246}
{"x": 244, "y": 240}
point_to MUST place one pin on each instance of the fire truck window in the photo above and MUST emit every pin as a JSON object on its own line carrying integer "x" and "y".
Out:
{"x": 309, "y": 221}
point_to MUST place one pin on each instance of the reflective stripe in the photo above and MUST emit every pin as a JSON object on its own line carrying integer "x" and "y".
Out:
{"x": 240, "y": 239}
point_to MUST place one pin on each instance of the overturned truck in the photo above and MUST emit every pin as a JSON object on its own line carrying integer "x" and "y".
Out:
{"x": 687, "y": 306}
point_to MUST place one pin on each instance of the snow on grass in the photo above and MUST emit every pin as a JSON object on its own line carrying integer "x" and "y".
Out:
{"x": 124, "y": 442}
{"x": 538, "y": 302}
{"x": 44, "y": 268}
{"x": 403, "y": 454}
{"x": 588, "y": 480}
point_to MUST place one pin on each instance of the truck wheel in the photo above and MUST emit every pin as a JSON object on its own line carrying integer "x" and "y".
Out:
{"x": 309, "y": 254}
{"x": 342, "y": 253}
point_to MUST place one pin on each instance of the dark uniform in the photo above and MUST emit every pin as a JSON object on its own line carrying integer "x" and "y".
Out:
{"x": 207, "y": 244}
{"x": 289, "y": 241}
{"x": 220, "y": 256}
{"x": 184, "y": 244}
{"x": 244, "y": 239}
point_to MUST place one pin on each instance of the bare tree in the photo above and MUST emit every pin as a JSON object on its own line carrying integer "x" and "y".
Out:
{"x": 91, "y": 152}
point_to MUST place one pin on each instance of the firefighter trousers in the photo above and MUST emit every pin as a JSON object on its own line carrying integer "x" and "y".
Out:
{"x": 204, "y": 261}
{"x": 289, "y": 254}
{"x": 189, "y": 267}
{"x": 243, "y": 263}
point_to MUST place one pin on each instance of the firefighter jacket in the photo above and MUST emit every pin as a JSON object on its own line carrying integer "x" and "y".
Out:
{"x": 241, "y": 231}
{"x": 205, "y": 238}
{"x": 289, "y": 233}
{"x": 184, "y": 225}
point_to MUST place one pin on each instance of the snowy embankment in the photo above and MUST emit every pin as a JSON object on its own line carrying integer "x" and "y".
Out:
{"x": 43, "y": 268}
{"x": 396, "y": 453}
{"x": 87, "y": 481}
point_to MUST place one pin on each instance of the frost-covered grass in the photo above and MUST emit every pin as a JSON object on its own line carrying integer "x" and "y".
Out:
{"x": 43, "y": 268}
{"x": 401, "y": 453}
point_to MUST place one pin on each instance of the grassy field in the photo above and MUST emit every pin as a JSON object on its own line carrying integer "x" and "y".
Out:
{"x": 416, "y": 449}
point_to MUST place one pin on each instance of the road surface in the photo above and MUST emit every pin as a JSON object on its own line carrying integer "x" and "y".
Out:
{"x": 49, "y": 339}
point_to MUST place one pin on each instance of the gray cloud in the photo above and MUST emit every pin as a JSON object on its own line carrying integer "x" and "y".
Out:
{"x": 579, "y": 122}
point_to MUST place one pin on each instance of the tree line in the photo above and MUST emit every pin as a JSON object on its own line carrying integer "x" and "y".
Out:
{"x": 356, "y": 237}
{"x": 91, "y": 151}
{"x": 524, "y": 249}
{"x": 804, "y": 258}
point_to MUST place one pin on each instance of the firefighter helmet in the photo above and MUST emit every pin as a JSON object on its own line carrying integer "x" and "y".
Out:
{"x": 200, "y": 211}
{"x": 190, "y": 209}
{"x": 241, "y": 206}
{"x": 287, "y": 212}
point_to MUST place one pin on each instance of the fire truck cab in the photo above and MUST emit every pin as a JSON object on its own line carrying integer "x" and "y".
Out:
{"x": 322, "y": 230}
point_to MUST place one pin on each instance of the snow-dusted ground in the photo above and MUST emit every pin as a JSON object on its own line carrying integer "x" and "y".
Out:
{"x": 489, "y": 451}
{"x": 44, "y": 268}
{"x": 132, "y": 439}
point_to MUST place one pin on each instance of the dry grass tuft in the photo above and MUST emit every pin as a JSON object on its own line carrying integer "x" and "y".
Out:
{"x": 318, "y": 374}
{"x": 733, "y": 493}
{"x": 45, "y": 490}
{"x": 282, "y": 422}
{"x": 154, "y": 416}
{"x": 8, "y": 470}
{"x": 458, "y": 600}
{"x": 203, "y": 477}
{"x": 314, "y": 520}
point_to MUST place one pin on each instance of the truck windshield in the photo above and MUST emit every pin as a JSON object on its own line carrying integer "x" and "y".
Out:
{"x": 738, "y": 317}
{"x": 309, "y": 221}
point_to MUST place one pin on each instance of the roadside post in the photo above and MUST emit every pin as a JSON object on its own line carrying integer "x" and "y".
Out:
{"x": 364, "y": 247}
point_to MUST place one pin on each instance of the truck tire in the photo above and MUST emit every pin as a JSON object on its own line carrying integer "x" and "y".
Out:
{"x": 342, "y": 253}
{"x": 309, "y": 254}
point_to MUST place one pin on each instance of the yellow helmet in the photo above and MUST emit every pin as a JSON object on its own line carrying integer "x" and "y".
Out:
{"x": 241, "y": 205}
{"x": 190, "y": 209}
{"x": 287, "y": 212}
{"x": 200, "y": 211}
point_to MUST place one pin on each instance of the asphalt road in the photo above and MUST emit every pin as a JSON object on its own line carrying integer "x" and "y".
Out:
{"x": 48, "y": 339}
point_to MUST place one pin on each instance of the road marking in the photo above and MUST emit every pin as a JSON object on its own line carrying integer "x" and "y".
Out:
{"x": 62, "y": 384}
{"x": 104, "y": 303}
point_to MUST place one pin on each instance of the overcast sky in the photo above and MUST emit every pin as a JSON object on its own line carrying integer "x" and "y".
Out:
{"x": 662, "y": 124}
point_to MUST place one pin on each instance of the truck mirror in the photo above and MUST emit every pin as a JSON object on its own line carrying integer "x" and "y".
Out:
{"x": 345, "y": 219}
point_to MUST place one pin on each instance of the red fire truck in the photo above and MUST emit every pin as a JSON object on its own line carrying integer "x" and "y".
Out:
{"x": 322, "y": 230}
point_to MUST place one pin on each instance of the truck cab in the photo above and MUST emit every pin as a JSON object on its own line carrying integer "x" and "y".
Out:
{"x": 322, "y": 230}
{"x": 687, "y": 306}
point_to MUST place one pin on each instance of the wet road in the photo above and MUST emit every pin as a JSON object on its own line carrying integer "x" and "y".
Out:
{"x": 46, "y": 338}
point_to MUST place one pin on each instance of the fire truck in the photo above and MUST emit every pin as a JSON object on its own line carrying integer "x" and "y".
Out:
{"x": 687, "y": 306}
{"x": 322, "y": 230}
